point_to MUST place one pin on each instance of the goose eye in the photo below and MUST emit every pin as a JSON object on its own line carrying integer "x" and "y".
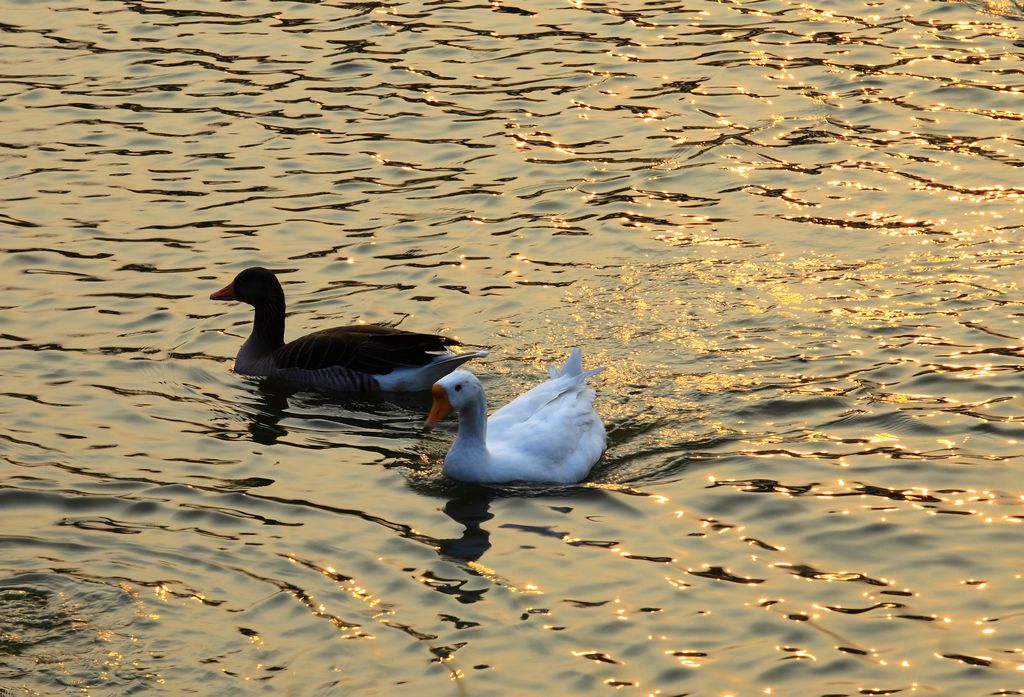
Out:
{"x": 458, "y": 387}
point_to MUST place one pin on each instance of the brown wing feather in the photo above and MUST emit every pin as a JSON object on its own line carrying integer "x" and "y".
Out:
{"x": 366, "y": 348}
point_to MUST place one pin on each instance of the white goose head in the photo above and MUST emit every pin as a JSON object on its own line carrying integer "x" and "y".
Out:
{"x": 456, "y": 392}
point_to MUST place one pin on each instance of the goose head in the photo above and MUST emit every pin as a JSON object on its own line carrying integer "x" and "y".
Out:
{"x": 255, "y": 286}
{"x": 454, "y": 392}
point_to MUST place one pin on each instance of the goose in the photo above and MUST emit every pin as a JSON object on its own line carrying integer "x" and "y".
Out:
{"x": 355, "y": 358}
{"x": 548, "y": 434}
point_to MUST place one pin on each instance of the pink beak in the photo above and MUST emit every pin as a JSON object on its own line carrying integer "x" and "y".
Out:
{"x": 225, "y": 293}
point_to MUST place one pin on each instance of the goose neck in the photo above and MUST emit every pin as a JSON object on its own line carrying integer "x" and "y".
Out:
{"x": 268, "y": 325}
{"x": 471, "y": 440}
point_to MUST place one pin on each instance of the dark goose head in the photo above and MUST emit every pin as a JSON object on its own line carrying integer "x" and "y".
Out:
{"x": 261, "y": 289}
{"x": 256, "y": 286}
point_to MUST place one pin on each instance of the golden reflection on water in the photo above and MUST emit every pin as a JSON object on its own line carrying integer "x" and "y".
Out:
{"x": 788, "y": 231}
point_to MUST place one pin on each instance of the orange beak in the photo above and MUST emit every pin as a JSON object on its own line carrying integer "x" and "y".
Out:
{"x": 440, "y": 409}
{"x": 225, "y": 293}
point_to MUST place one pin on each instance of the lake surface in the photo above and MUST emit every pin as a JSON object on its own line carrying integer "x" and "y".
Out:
{"x": 792, "y": 231}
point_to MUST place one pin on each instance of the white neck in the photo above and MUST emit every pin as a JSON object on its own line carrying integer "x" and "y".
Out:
{"x": 468, "y": 453}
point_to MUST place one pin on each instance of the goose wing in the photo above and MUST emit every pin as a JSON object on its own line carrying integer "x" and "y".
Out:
{"x": 365, "y": 348}
{"x": 559, "y": 441}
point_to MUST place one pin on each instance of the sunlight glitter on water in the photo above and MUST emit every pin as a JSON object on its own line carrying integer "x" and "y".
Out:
{"x": 789, "y": 231}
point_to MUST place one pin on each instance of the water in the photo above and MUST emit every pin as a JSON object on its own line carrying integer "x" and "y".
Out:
{"x": 791, "y": 231}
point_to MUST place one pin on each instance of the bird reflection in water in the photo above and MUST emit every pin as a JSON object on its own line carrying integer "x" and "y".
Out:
{"x": 269, "y": 408}
{"x": 471, "y": 511}
{"x": 376, "y": 415}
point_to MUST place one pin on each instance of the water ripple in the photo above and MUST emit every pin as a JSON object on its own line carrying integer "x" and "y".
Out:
{"x": 788, "y": 231}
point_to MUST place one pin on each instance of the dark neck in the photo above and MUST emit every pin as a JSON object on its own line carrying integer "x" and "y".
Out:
{"x": 268, "y": 326}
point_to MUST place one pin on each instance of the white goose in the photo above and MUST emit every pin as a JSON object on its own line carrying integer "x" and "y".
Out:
{"x": 549, "y": 434}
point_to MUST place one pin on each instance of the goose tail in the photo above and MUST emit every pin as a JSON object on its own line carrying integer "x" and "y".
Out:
{"x": 573, "y": 366}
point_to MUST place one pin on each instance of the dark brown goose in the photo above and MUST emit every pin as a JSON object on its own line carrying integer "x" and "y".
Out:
{"x": 355, "y": 358}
